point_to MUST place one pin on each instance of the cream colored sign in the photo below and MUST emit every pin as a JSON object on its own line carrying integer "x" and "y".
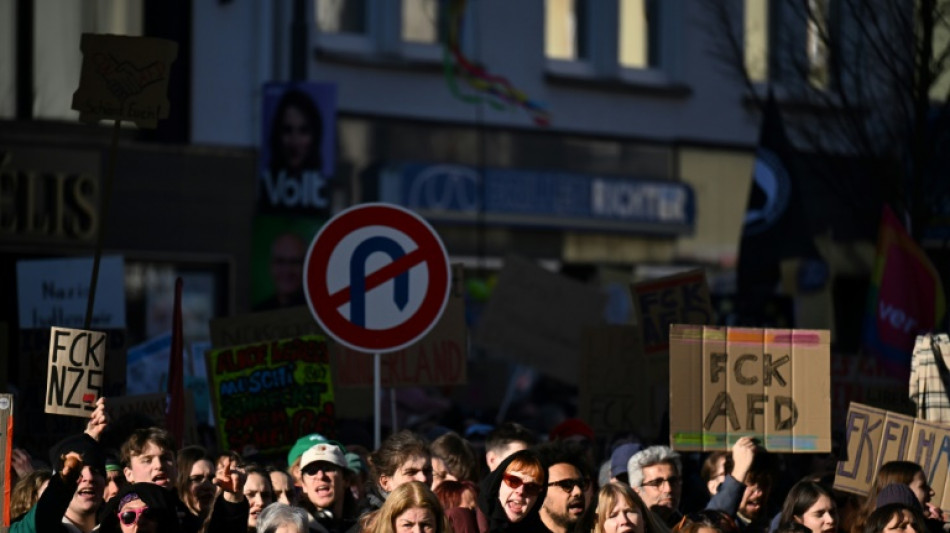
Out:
{"x": 77, "y": 359}
{"x": 124, "y": 78}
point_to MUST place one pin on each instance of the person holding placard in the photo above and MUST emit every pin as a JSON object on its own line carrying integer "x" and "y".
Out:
{"x": 74, "y": 493}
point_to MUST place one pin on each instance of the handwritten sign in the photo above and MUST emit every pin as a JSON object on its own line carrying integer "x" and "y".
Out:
{"x": 6, "y": 450}
{"x": 772, "y": 384}
{"x": 124, "y": 78}
{"x": 621, "y": 388}
{"x": 535, "y": 317}
{"x": 267, "y": 395}
{"x": 54, "y": 292}
{"x": 678, "y": 299}
{"x": 77, "y": 360}
{"x": 440, "y": 358}
{"x": 876, "y": 436}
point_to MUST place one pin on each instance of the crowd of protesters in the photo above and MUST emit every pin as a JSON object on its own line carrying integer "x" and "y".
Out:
{"x": 514, "y": 481}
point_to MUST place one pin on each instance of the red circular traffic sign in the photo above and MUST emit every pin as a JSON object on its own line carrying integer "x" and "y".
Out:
{"x": 376, "y": 277}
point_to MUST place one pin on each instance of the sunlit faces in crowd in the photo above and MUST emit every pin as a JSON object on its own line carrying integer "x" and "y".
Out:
{"x": 811, "y": 505}
{"x": 321, "y": 470}
{"x": 149, "y": 457}
{"x": 618, "y": 510}
{"x": 201, "y": 489}
{"x": 134, "y": 517}
{"x": 521, "y": 485}
{"x": 415, "y": 468}
{"x": 567, "y": 497}
{"x": 661, "y": 485}
{"x": 88, "y": 496}
{"x": 283, "y": 486}
{"x": 257, "y": 490}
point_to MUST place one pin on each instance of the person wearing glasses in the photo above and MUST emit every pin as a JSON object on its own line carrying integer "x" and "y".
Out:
{"x": 569, "y": 493}
{"x": 509, "y": 495}
{"x": 195, "y": 481}
{"x": 655, "y": 475}
{"x": 143, "y": 508}
{"x": 330, "y": 503}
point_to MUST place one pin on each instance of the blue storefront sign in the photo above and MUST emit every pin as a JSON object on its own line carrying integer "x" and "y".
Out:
{"x": 515, "y": 197}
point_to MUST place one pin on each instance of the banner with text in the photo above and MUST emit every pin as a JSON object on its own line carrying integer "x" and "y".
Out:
{"x": 876, "y": 436}
{"x": 621, "y": 388}
{"x": 772, "y": 384}
{"x": 267, "y": 395}
{"x": 77, "y": 361}
{"x": 678, "y": 299}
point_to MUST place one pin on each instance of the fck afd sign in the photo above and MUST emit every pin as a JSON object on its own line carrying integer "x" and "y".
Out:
{"x": 76, "y": 364}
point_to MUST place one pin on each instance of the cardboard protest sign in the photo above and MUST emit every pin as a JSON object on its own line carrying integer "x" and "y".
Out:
{"x": 678, "y": 299}
{"x": 77, "y": 360}
{"x": 267, "y": 395}
{"x": 772, "y": 384}
{"x": 535, "y": 317}
{"x": 124, "y": 78}
{"x": 621, "y": 389}
{"x": 876, "y": 436}
{"x": 153, "y": 406}
{"x": 284, "y": 324}
{"x": 6, "y": 451}
{"x": 440, "y": 358}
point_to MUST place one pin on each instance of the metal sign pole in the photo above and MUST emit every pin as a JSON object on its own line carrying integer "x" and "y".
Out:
{"x": 377, "y": 398}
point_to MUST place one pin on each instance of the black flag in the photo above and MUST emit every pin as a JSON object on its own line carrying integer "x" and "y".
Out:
{"x": 775, "y": 227}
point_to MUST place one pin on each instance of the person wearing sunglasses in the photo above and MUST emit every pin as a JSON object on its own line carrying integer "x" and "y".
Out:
{"x": 569, "y": 488}
{"x": 509, "y": 496}
{"x": 330, "y": 503}
{"x": 143, "y": 508}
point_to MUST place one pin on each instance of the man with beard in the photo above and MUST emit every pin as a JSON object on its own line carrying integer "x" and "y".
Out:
{"x": 569, "y": 491}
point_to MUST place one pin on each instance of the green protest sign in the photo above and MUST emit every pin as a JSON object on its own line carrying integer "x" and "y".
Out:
{"x": 267, "y": 395}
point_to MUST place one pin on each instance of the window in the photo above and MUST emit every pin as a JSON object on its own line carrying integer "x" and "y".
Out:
{"x": 341, "y": 16}
{"x": 57, "y": 59}
{"x": 420, "y": 21}
{"x": 816, "y": 43}
{"x": 756, "y": 26}
{"x": 565, "y": 29}
{"x": 57, "y": 30}
{"x": 637, "y": 20}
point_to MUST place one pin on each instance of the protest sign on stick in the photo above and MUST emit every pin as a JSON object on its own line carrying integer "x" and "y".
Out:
{"x": 876, "y": 437}
{"x": 6, "y": 456}
{"x": 678, "y": 299}
{"x": 771, "y": 384}
{"x": 77, "y": 361}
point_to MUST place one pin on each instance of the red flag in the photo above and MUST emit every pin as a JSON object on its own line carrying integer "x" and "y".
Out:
{"x": 175, "y": 414}
{"x": 905, "y": 299}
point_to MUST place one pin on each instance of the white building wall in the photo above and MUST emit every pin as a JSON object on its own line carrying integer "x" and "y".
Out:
{"x": 240, "y": 45}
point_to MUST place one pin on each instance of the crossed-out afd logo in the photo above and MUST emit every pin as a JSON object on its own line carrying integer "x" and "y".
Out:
{"x": 376, "y": 277}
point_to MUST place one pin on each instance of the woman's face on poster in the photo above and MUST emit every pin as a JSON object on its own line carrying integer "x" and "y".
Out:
{"x": 296, "y": 135}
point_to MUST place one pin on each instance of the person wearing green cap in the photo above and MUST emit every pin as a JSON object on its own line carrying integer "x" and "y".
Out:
{"x": 296, "y": 451}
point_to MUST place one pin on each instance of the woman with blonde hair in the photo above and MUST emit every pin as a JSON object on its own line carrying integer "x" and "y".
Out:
{"x": 411, "y": 507}
{"x": 620, "y": 510}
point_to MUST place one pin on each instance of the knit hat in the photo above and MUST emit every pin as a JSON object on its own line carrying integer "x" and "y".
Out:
{"x": 620, "y": 456}
{"x": 324, "y": 451}
{"x": 303, "y": 444}
{"x": 897, "y": 493}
